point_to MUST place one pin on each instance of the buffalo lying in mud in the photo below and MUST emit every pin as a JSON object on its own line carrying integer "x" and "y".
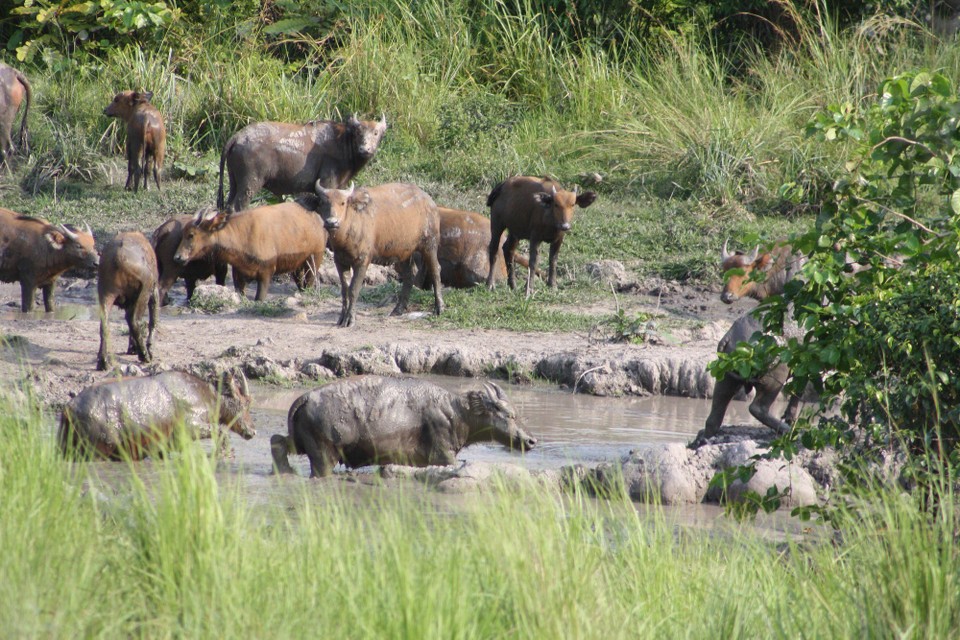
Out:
{"x": 377, "y": 420}
{"x": 534, "y": 209}
{"x": 290, "y": 158}
{"x": 34, "y": 253}
{"x": 127, "y": 277}
{"x": 388, "y": 224}
{"x": 258, "y": 243}
{"x": 14, "y": 90}
{"x": 131, "y": 416}
{"x": 165, "y": 241}
{"x": 146, "y": 135}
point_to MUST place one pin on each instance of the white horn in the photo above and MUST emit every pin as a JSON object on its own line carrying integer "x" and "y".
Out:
{"x": 350, "y": 191}
{"x": 724, "y": 253}
{"x": 63, "y": 229}
{"x": 753, "y": 256}
{"x": 89, "y": 230}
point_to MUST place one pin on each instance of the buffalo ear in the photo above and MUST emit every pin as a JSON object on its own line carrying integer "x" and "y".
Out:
{"x": 218, "y": 221}
{"x": 586, "y": 199}
{"x": 764, "y": 261}
{"x": 353, "y": 121}
{"x": 543, "y": 198}
{"x": 147, "y": 96}
{"x": 55, "y": 238}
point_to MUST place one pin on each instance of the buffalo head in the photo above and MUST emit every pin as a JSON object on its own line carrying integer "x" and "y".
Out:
{"x": 368, "y": 134}
{"x": 332, "y": 204}
{"x": 493, "y": 418}
{"x": 739, "y": 283}
{"x": 558, "y": 205}
{"x": 195, "y": 242}
{"x": 125, "y": 102}
{"x": 77, "y": 245}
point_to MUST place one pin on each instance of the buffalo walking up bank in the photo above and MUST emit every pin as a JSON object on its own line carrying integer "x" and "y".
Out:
{"x": 127, "y": 276}
{"x": 289, "y": 158}
{"x": 146, "y": 136}
{"x": 258, "y": 243}
{"x": 388, "y": 224}
{"x": 14, "y": 90}
{"x": 132, "y": 416}
{"x": 378, "y": 420}
{"x": 534, "y": 209}
{"x": 34, "y": 253}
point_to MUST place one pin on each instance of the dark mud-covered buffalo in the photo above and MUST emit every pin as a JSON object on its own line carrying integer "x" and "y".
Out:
{"x": 146, "y": 135}
{"x": 290, "y": 158}
{"x": 258, "y": 243}
{"x": 130, "y": 417}
{"x": 165, "y": 241}
{"x": 377, "y": 420}
{"x": 388, "y": 224}
{"x": 34, "y": 253}
{"x": 534, "y": 209}
{"x": 14, "y": 90}
{"x": 127, "y": 276}
{"x": 464, "y": 239}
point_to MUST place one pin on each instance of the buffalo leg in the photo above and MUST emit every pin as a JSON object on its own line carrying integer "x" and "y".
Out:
{"x": 135, "y": 311}
{"x": 219, "y": 272}
{"x": 105, "y": 354}
{"x": 768, "y": 388}
{"x": 263, "y": 285}
{"x": 28, "y": 292}
{"x": 48, "y": 296}
{"x": 356, "y": 283}
{"x": 496, "y": 230}
{"x": 341, "y": 273}
{"x": 239, "y": 283}
{"x": 433, "y": 263}
{"x": 406, "y": 279}
{"x": 554, "y": 251}
{"x": 152, "y": 306}
{"x": 280, "y": 452}
{"x": 509, "y": 259}
{"x": 321, "y": 463}
{"x": 793, "y": 408}
{"x": 534, "y": 247}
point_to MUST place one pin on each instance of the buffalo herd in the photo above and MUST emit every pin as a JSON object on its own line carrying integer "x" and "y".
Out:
{"x": 397, "y": 223}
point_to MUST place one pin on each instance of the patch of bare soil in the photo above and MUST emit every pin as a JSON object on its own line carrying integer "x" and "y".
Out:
{"x": 57, "y": 352}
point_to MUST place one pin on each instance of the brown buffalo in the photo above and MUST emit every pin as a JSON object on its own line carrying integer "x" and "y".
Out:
{"x": 388, "y": 224}
{"x": 759, "y": 275}
{"x": 127, "y": 277}
{"x": 534, "y": 209}
{"x": 130, "y": 417}
{"x": 464, "y": 239}
{"x": 165, "y": 241}
{"x": 14, "y": 90}
{"x": 34, "y": 253}
{"x": 146, "y": 136}
{"x": 258, "y": 243}
{"x": 290, "y": 158}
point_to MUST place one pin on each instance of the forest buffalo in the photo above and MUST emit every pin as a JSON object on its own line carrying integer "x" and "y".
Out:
{"x": 377, "y": 420}
{"x": 290, "y": 158}
{"x": 127, "y": 276}
{"x": 146, "y": 136}
{"x": 165, "y": 241}
{"x": 14, "y": 90}
{"x": 758, "y": 275}
{"x": 534, "y": 209}
{"x": 34, "y": 253}
{"x": 131, "y": 417}
{"x": 258, "y": 243}
{"x": 388, "y": 224}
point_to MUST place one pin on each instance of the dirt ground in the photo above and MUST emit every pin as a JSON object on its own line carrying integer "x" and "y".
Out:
{"x": 57, "y": 351}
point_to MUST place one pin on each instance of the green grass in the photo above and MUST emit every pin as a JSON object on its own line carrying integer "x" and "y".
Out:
{"x": 178, "y": 550}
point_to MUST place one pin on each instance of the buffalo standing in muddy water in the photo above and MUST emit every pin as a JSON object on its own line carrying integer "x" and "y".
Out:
{"x": 290, "y": 158}
{"x": 258, "y": 243}
{"x": 165, "y": 240}
{"x": 388, "y": 224}
{"x": 377, "y": 420}
{"x": 131, "y": 416}
{"x": 534, "y": 209}
{"x": 14, "y": 90}
{"x": 127, "y": 276}
{"x": 34, "y": 253}
{"x": 146, "y": 135}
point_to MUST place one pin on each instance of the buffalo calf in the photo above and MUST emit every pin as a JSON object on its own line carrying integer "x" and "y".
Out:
{"x": 127, "y": 276}
{"x": 388, "y": 224}
{"x": 165, "y": 241}
{"x": 534, "y": 209}
{"x": 34, "y": 253}
{"x": 14, "y": 90}
{"x": 289, "y": 158}
{"x": 378, "y": 420}
{"x": 146, "y": 136}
